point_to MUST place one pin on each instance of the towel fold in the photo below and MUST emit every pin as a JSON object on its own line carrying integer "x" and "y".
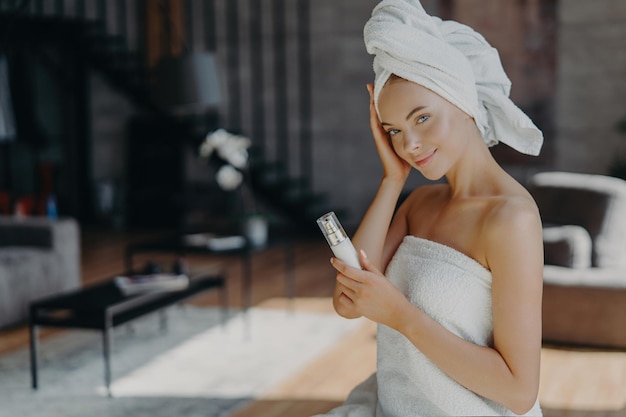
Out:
{"x": 455, "y": 62}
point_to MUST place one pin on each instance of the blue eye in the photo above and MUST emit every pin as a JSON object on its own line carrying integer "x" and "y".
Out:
{"x": 393, "y": 132}
{"x": 423, "y": 118}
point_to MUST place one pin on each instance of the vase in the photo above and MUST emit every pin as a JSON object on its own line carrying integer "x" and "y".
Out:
{"x": 255, "y": 229}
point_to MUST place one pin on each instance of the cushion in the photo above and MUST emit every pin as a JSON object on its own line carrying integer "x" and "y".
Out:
{"x": 595, "y": 202}
{"x": 569, "y": 246}
{"x": 26, "y": 235}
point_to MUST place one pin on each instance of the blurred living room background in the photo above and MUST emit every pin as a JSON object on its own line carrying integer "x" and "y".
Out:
{"x": 104, "y": 94}
{"x": 104, "y": 105}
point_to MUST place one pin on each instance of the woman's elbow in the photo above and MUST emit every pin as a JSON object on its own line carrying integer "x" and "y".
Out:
{"x": 343, "y": 310}
{"x": 347, "y": 315}
{"x": 522, "y": 409}
{"x": 523, "y": 402}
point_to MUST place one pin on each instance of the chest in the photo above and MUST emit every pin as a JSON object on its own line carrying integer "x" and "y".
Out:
{"x": 460, "y": 225}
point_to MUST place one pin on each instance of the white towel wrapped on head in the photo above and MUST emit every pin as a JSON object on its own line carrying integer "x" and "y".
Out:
{"x": 452, "y": 60}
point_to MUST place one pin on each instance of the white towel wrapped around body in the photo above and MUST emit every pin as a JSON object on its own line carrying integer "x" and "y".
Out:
{"x": 452, "y": 60}
{"x": 453, "y": 289}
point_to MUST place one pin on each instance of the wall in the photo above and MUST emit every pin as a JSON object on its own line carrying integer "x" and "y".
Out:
{"x": 579, "y": 72}
{"x": 346, "y": 163}
{"x": 109, "y": 112}
{"x": 591, "y": 88}
{"x": 575, "y": 65}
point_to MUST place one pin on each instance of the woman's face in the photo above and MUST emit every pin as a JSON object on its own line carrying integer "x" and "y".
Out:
{"x": 425, "y": 130}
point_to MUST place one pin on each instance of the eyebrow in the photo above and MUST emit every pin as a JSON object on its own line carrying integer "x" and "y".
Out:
{"x": 408, "y": 116}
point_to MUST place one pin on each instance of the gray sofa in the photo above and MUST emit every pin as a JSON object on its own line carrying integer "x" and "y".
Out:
{"x": 38, "y": 257}
{"x": 584, "y": 219}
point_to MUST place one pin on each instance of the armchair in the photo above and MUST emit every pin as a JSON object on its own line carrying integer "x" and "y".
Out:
{"x": 38, "y": 257}
{"x": 584, "y": 218}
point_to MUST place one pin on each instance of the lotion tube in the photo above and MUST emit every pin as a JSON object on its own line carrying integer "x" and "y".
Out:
{"x": 338, "y": 240}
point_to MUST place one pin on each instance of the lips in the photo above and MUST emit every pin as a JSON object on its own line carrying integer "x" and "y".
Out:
{"x": 423, "y": 161}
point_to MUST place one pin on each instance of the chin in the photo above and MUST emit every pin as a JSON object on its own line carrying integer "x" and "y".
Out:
{"x": 434, "y": 178}
{"x": 432, "y": 175}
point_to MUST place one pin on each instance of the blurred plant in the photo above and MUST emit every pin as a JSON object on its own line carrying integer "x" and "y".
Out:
{"x": 229, "y": 152}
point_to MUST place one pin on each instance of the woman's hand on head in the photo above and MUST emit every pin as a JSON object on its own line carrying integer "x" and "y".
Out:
{"x": 368, "y": 292}
{"x": 394, "y": 167}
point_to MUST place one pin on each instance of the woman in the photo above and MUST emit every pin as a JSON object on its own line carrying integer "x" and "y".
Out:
{"x": 459, "y": 305}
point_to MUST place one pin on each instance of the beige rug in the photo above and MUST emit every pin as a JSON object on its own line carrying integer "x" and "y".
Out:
{"x": 199, "y": 367}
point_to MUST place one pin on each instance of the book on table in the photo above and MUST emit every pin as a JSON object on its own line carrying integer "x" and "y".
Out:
{"x": 135, "y": 284}
{"x": 215, "y": 242}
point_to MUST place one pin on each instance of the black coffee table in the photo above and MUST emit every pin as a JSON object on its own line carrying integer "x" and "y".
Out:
{"x": 103, "y": 306}
{"x": 178, "y": 245}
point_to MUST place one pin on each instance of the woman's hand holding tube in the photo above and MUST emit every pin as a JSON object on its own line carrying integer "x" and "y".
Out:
{"x": 394, "y": 167}
{"x": 368, "y": 292}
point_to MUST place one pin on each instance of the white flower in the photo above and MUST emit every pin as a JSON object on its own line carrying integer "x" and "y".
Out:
{"x": 232, "y": 148}
{"x": 228, "y": 177}
{"x": 213, "y": 141}
{"x": 235, "y": 151}
{"x": 206, "y": 149}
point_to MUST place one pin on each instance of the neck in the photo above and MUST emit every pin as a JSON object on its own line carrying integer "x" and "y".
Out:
{"x": 476, "y": 173}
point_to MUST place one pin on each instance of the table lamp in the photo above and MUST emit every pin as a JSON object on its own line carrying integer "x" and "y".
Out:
{"x": 187, "y": 83}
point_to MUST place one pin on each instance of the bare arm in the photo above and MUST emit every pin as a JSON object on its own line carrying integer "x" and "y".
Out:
{"x": 375, "y": 236}
{"x": 372, "y": 235}
{"x": 508, "y": 372}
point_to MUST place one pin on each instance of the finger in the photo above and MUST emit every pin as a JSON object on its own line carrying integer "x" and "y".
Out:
{"x": 342, "y": 288}
{"x": 346, "y": 289}
{"x": 348, "y": 282}
{"x": 375, "y": 125}
{"x": 344, "y": 299}
{"x": 366, "y": 263}
{"x": 343, "y": 268}
{"x": 337, "y": 264}
{"x": 380, "y": 135}
{"x": 347, "y": 303}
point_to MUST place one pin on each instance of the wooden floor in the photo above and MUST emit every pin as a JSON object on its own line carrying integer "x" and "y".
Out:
{"x": 574, "y": 382}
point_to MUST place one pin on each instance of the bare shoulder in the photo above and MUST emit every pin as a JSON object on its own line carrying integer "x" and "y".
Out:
{"x": 513, "y": 232}
{"x": 424, "y": 201}
{"x": 512, "y": 212}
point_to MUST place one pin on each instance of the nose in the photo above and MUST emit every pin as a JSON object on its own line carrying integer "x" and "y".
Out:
{"x": 412, "y": 143}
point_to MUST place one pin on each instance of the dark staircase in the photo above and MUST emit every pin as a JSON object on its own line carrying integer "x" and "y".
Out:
{"x": 107, "y": 54}
{"x": 290, "y": 197}
{"x": 291, "y": 200}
